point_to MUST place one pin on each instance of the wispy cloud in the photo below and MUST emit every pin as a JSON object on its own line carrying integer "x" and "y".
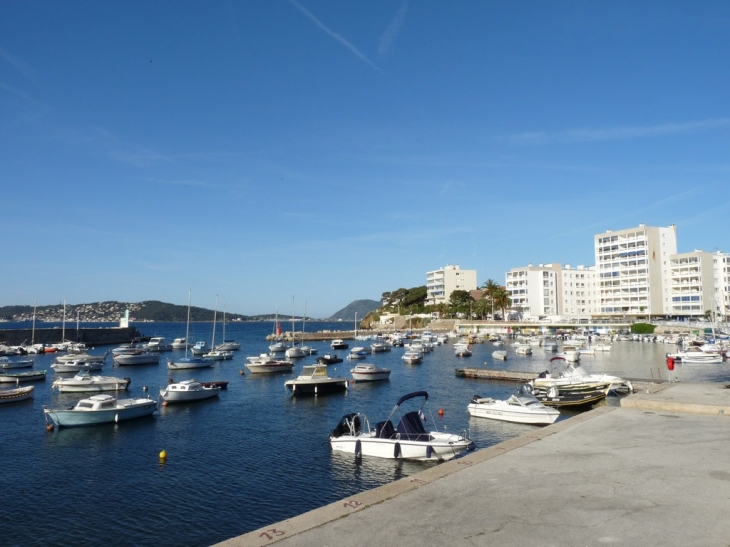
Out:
{"x": 392, "y": 30}
{"x": 618, "y": 133}
{"x": 24, "y": 68}
{"x": 17, "y": 92}
{"x": 334, "y": 35}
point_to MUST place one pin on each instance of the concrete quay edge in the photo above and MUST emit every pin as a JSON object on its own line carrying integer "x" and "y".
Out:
{"x": 288, "y": 528}
{"x": 649, "y": 399}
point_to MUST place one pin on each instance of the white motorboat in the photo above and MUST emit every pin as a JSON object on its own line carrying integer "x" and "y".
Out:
{"x": 573, "y": 386}
{"x": 462, "y": 350}
{"x": 188, "y": 390}
{"x": 16, "y": 394}
{"x": 83, "y": 381}
{"x": 199, "y": 348}
{"x": 100, "y": 409}
{"x": 279, "y": 347}
{"x": 181, "y": 343}
{"x": 6, "y": 363}
{"x": 380, "y": 347}
{"x": 413, "y": 357}
{"x": 409, "y": 440}
{"x": 570, "y": 353}
{"x": 523, "y": 349}
{"x": 521, "y": 407}
{"x": 229, "y": 345}
{"x": 339, "y": 344}
{"x": 128, "y": 348}
{"x": 76, "y": 365}
{"x": 500, "y": 355}
{"x": 358, "y": 353}
{"x": 366, "y": 372}
{"x": 702, "y": 359}
{"x": 158, "y": 343}
{"x": 295, "y": 352}
{"x": 602, "y": 347}
{"x": 267, "y": 364}
{"x": 85, "y": 357}
{"x": 138, "y": 357}
{"x": 313, "y": 380}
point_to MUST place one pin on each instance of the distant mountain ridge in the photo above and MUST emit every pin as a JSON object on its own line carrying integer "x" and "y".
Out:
{"x": 154, "y": 310}
{"x": 359, "y": 307}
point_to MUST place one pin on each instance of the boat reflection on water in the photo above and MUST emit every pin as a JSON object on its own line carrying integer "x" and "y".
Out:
{"x": 368, "y": 473}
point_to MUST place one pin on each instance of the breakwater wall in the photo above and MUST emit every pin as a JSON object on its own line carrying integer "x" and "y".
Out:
{"x": 95, "y": 336}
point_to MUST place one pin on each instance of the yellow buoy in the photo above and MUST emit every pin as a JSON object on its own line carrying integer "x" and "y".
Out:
{"x": 163, "y": 455}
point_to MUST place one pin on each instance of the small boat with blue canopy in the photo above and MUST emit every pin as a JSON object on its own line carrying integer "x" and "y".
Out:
{"x": 409, "y": 440}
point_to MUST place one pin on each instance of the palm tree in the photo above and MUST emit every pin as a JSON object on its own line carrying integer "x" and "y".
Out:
{"x": 503, "y": 301}
{"x": 489, "y": 289}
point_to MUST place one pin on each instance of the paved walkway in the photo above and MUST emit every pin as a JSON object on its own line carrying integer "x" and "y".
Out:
{"x": 654, "y": 471}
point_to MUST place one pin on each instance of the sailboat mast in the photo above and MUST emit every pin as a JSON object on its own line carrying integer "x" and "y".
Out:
{"x": 215, "y": 311}
{"x": 32, "y": 335}
{"x": 187, "y": 327}
{"x": 63, "y": 329}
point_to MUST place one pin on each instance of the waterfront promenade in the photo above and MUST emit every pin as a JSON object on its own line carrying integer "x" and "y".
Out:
{"x": 653, "y": 471}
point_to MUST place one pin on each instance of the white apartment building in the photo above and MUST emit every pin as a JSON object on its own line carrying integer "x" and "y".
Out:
{"x": 578, "y": 291}
{"x": 442, "y": 282}
{"x": 721, "y": 302}
{"x": 633, "y": 269}
{"x": 691, "y": 288}
{"x": 552, "y": 290}
{"x": 534, "y": 290}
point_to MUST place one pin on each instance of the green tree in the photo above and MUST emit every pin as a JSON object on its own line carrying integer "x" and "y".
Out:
{"x": 502, "y": 301}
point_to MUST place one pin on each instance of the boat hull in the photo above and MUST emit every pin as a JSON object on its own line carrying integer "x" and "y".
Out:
{"x": 72, "y": 385}
{"x": 186, "y": 364}
{"x": 125, "y": 359}
{"x": 544, "y": 416}
{"x": 269, "y": 368}
{"x": 126, "y": 410}
{"x": 441, "y": 447}
{"x": 304, "y": 387}
{"x": 15, "y": 395}
{"x": 30, "y": 376}
{"x": 189, "y": 396}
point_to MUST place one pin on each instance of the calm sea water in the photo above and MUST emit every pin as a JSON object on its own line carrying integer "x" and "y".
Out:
{"x": 254, "y": 456}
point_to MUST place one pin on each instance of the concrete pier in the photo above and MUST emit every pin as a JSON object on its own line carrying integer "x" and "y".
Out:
{"x": 652, "y": 471}
{"x": 503, "y": 375}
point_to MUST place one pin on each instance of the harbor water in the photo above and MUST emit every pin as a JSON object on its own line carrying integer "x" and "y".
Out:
{"x": 253, "y": 456}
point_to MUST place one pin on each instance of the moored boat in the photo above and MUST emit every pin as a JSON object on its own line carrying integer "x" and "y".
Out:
{"x": 187, "y": 391}
{"x": 409, "y": 440}
{"x": 329, "y": 359}
{"x": 521, "y": 407}
{"x": 16, "y": 394}
{"x": 83, "y": 382}
{"x": 27, "y": 376}
{"x": 7, "y": 363}
{"x": 138, "y": 357}
{"x": 313, "y": 380}
{"x": 100, "y": 409}
{"x": 366, "y": 372}
{"x": 268, "y": 364}
{"x": 76, "y": 365}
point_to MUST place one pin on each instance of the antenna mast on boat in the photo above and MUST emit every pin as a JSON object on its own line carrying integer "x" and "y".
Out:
{"x": 187, "y": 327}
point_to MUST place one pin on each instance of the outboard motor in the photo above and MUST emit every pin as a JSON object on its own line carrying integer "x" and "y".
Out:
{"x": 343, "y": 427}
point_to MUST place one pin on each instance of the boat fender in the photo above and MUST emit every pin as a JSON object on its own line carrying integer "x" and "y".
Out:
{"x": 670, "y": 363}
{"x": 429, "y": 451}
{"x": 358, "y": 448}
{"x": 396, "y": 451}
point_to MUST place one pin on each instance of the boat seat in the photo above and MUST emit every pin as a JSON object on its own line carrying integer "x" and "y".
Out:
{"x": 411, "y": 428}
{"x": 384, "y": 430}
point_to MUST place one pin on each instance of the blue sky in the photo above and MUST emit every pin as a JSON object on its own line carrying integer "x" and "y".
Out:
{"x": 331, "y": 151}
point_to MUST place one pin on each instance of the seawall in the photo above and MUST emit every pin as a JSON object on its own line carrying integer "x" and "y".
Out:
{"x": 96, "y": 336}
